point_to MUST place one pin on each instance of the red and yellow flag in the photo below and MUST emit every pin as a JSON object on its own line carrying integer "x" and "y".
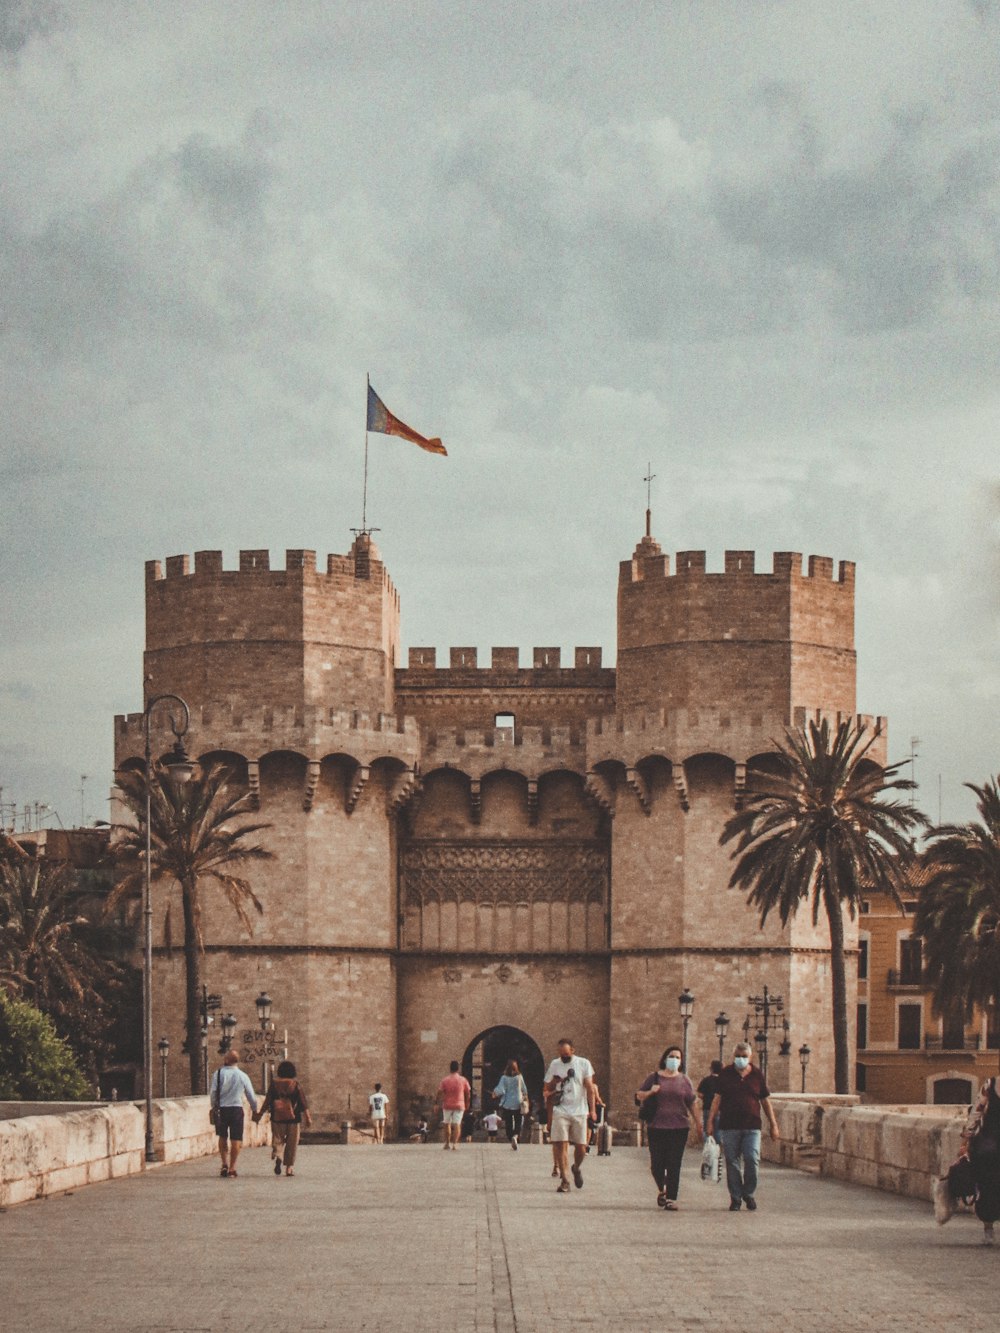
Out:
{"x": 382, "y": 422}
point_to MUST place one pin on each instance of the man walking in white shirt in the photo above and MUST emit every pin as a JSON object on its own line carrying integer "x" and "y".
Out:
{"x": 377, "y": 1104}
{"x": 229, "y": 1086}
{"x": 569, "y": 1082}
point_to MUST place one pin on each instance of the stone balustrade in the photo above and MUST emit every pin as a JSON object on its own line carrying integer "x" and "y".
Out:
{"x": 42, "y": 1154}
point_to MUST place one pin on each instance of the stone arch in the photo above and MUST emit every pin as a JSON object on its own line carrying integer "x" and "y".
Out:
{"x": 444, "y": 804}
{"x": 944, "y": 1087}
{"x": 564, "y": 808}
{"x": 282, "y": 773}
{"x": 708, "y": 771}
{"x": 487, "y": 1054}
{"x": 233, "y": 760}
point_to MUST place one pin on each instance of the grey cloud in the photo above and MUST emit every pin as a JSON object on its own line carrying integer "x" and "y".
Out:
{"x": 21, "y": 20}
{"x": 643, "y": 232}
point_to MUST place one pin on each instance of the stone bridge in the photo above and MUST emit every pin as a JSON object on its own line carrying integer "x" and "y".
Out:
{"x": 408, "y": 1238}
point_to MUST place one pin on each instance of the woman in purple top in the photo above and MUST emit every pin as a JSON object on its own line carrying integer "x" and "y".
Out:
{"x": 668, "y": 1130}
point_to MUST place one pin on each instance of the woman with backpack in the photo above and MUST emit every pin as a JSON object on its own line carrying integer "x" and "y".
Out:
{"x": 286, "y": 1103}
{"x": 981, "y": 1144}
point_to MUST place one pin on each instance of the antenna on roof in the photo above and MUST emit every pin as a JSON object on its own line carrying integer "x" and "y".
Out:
{"x": 648, "y": 479}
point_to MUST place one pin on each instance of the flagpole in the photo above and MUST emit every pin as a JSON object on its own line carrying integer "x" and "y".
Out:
{"x": 364, "y": 497}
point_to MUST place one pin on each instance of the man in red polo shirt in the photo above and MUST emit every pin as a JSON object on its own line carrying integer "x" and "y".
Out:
{"x": 454, "y": 1096}
{"x": 735, "y": 1118}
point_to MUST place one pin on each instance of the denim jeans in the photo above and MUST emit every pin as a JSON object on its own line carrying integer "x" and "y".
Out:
{"x": 740, "y": 1144}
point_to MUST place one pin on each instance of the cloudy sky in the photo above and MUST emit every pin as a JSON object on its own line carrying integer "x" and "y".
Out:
{"x": 755, "y": 242}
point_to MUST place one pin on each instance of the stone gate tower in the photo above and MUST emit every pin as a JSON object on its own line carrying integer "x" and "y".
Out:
{"x": 472, "y": 860}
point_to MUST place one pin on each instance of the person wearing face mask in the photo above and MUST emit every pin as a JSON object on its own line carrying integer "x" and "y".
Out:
{"x": 569, "y": 1082}
{"x": 668, "y": 1129}
{"x": 735, "y": 1118}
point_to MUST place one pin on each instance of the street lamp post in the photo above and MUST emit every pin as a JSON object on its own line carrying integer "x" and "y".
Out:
{"x": 263, "y": 1003}
{"x": 163, "y": 1046}
{"x": 767, "y": 1017}
{"x": 686, "y": 1002}
{"x": 804, "y": 1054}
{"x": 228, "y": 1025}
{"x": 180, "y": 769}
{"x": 204, "y": 1056}
{"x": 721, "y": 1028}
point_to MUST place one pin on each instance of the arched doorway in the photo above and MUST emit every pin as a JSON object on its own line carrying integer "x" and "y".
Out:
{"x": 488, "y": 1053}
{"x": 952, "y": 1091}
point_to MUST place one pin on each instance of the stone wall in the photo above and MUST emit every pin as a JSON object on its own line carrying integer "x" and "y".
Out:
{"x": 899, "y": 1149}
{"x": 49, "y": 1153}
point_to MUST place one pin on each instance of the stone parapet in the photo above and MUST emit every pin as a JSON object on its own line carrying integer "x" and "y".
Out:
{"x": 900, "y": 1149}
{"x": 678, "y": 734}
{"x": 310, "y": 731}
{"x": 531, "y": 751}
{"x": 49, "y": 1153}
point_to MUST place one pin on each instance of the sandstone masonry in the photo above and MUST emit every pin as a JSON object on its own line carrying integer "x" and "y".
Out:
{"x": 472, "y": 860}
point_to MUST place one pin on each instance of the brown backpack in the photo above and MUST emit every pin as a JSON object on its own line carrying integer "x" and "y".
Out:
{"x": 284, "y": 1093}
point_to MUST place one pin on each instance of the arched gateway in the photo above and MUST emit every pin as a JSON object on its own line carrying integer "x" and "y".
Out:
{"x": 486, "y": 1057}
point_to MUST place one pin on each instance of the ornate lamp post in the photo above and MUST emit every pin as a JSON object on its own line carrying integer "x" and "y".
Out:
{"x": 179, "y": 768}
{"x": 767, "y": 1017}
{"x": 686, "y": 1002}
{"x": 721, "y": 1028}
{"x": 228, "y": 1025}
{"x": 163, "y": 1046}
{"x": 804, "y": 1054}
{"x": 263, "y": 1003}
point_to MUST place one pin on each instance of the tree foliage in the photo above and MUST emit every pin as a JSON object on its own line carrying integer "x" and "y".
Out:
{"x": 822, "y": 832}
{"x": 57, "y": 954}
{"x": 958, "y": 917}
{"x": 36, "y": 1064}
{"x": 198, "y": 838}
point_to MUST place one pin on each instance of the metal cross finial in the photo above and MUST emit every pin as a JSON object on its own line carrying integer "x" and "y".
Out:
{"x": 648, "y": 479}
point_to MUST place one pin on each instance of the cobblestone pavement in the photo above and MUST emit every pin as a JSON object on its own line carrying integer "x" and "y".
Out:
{"x": 411, "y": 1238}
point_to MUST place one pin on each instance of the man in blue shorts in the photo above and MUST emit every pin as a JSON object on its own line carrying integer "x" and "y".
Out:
{"x": 229, "y": 1086}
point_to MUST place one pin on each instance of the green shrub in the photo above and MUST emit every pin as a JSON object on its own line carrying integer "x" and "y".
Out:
{"x": 35, "y": 1064}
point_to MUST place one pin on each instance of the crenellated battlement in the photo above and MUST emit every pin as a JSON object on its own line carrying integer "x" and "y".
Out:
{"x": 504, "y": 660}
{"x": 308, "y": 730}
{"x": 679, "y": 734}
{"x": 530, "y": 750}
{"x": 362, "y": 562}
{"x": 649, "y": 563}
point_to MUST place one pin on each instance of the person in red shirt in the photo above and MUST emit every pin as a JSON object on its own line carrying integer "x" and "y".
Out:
{"x": 454, "y": 1096}
{"x": 742, "y": 1097}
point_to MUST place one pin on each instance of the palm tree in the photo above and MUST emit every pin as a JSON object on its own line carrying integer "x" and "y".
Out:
{"x": 822, "y": 832}
{"x": 194, "y": 839}
{"x": 52, "y": 954}
{"x": 958, "y": 918}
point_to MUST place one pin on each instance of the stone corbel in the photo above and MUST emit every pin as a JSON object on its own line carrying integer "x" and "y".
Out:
{"x": 356, "y": 786}
{"x": 680, "y": 786}
{"x": 740, "y": 786}
{"x": 404, "y": 789}
{"x": 475, "y": 800}
{"x": 253, "y": 782}
{"x": 600, "y": 792}
{"x": 312, "y": 781}
{"x": 637, "y": 783}
{"x": 532, "y": 801}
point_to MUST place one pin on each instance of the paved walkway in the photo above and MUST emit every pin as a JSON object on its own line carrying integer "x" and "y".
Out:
{"x": 410, "y": 1238}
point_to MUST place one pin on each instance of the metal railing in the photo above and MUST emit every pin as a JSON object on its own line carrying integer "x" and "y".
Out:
{"x": 907, "y": 978}
{"x": 954, "y": 1043}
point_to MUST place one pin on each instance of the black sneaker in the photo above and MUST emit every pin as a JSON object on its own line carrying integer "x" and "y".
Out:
{"x": 735, "y": 1206}
{"x": 277, "y": 1166}
{"x": 751, "y": 1204}
{"x": 577, "y": 1177}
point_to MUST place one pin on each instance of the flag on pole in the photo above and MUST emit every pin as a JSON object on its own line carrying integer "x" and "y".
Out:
{"x": 382, "y": 422}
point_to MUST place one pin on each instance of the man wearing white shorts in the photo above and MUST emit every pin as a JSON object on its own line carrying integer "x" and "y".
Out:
{"x": 455, "y": 1098}
{"x": 377, "y": 1104}
{"x": 569, "y": 1081}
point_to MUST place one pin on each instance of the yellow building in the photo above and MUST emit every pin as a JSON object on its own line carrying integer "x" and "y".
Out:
{"x": 906, "y": 1052}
